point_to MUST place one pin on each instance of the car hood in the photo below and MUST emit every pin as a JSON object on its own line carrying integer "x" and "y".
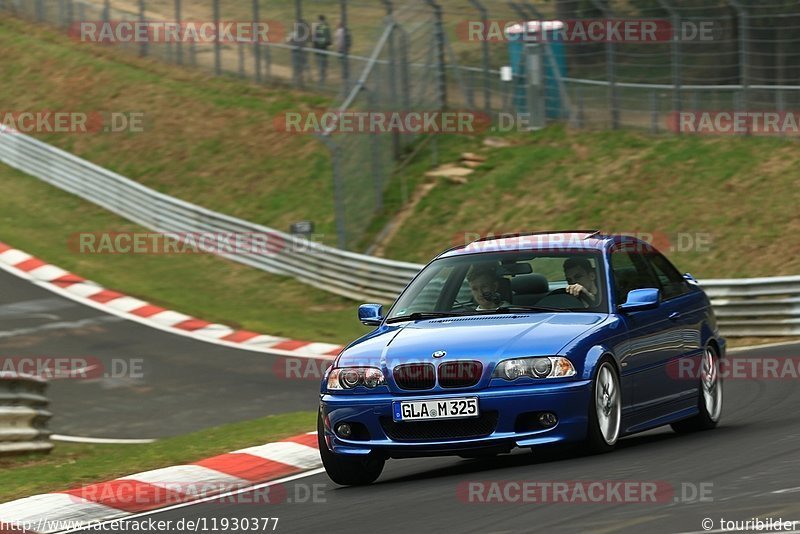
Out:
{"x": 485, "y": 338}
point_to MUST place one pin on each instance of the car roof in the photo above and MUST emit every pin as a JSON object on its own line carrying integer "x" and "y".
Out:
{"x": 565, "y": 240}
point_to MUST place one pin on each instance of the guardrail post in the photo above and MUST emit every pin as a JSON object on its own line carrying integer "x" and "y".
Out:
{"x": 23, "y": 414}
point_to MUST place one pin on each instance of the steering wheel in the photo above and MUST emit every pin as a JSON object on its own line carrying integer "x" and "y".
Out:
{"x": 559, "y": 298}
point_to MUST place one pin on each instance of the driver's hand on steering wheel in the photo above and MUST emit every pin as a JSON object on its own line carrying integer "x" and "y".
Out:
{"x": 576, "y": 290}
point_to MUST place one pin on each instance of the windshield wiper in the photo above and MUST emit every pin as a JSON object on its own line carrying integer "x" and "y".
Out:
{"x": 513, "y": 308}
{"x": 416, "y": 316}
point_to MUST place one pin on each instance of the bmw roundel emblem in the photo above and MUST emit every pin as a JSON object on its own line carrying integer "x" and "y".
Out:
{"x": 439, "y": 354}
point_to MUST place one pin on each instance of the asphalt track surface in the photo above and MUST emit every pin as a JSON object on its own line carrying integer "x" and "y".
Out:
{"x": 151, "y": 383}
{"x": 749, "y": 467}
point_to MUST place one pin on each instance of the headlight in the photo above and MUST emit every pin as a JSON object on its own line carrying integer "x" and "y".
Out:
{"x": 542, "y": 367}
{"x": 350, "y": 377}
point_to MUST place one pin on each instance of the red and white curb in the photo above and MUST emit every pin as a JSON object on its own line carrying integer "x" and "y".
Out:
{"x": 91, "y": 294}
{"x": 151, "y": 490}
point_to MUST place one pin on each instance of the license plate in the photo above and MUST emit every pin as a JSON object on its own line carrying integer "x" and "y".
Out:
{"x": 436, "y": 409}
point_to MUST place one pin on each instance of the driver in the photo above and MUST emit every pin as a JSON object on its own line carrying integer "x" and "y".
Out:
{"x": 582, "y": 281}
{"x": 484, "y": 285}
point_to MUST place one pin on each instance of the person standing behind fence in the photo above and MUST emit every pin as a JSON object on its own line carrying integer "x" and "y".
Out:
{"x": 322, "y": 41}
{"x": 342, "y": 40}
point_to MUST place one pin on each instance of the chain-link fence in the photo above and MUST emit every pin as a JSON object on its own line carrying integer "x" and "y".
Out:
{"x": 557, "y": 60}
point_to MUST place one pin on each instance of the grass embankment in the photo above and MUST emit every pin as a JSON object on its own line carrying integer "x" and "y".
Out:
{"x": 211, "y": 141}
{"x": 740, "y": 193}
{"x": 70, "y": 465}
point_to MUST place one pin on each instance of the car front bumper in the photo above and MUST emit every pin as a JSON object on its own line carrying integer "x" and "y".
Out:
{"x": 511, "y": 406}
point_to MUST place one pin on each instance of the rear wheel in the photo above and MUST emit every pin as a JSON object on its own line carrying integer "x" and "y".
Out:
{"x": 348, "y": 471}
{"x": 605, "y": 409}
{"x": 710, "y": 397}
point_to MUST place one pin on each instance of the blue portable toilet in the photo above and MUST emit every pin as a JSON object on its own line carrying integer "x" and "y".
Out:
{"x": 546, "y": 33}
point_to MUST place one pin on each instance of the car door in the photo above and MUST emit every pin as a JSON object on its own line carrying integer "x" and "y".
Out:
{"x": 687, "y": 309}
{"x": 654, "y": 339}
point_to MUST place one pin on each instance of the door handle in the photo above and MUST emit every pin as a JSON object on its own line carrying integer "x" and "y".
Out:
{"x": 674, "y": 316}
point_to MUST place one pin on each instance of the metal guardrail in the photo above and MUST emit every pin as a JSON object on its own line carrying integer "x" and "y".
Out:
{"x": 745, "y": 307}
{"x": 23, "y": 414}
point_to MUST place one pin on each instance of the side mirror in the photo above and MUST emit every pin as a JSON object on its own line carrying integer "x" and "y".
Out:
{"x": 641, "y": 299}
{"x": 370, "y": 314}
{"x": 689, "y": 277}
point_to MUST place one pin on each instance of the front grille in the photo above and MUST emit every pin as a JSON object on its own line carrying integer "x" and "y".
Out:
{"x": 460, "y": 374}
{"x": 415, "y": 376}
{"x": 475, "y": 427}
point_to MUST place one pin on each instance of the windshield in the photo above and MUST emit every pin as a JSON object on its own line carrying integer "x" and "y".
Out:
{"x": 506, "y": 282}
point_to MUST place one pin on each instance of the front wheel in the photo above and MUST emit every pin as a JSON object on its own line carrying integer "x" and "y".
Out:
{"x": 710, "y": 397}
{"x": 605, "y": 409}
{"x": 348, "y": 471}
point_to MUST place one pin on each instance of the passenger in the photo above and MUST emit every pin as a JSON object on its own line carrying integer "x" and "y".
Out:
{"x": 582, "y": 281}
{"x": 484, "y": 284}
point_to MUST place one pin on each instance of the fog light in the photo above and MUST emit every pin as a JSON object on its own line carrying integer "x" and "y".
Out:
{"x": 344, "y": 430}
{"x": 548, "y": 419}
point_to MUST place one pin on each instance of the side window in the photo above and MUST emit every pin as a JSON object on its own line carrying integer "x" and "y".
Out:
{"x": 630, "y": 272}
{"x": 671, "y": 282}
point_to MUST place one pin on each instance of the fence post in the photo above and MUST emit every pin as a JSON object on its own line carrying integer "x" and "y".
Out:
{"x": 345, "y": 57}
{"x": 393, "y": 107}
{"x": 142, "y": 18}
{"x": 106, "y": 11}
{"x": 375, "y": 153}
{"x": 298, "y": 44}
{"x": 40, "y": 10}
{"x": 339, "y": 202}
{"x": 744, "y": 26}
{"x": 440, "y": 50}
{"x": 653, "y": 112}
{"x": 217, "y": 45}
{"x": 70, "y": 13}
{"x": 405, "y": 75}
{"x": 613, "y": 97}
{"x": 487, "y": 98}
{"x": 257, "y": 43}
{"x": 675, "y": 48}
{"x": 240, "y": 51}
{"x": 178, "y": 44}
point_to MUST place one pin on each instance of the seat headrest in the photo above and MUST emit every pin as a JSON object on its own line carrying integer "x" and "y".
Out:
{"x": 504, "y": 288}
{"x": 530, "y": 284}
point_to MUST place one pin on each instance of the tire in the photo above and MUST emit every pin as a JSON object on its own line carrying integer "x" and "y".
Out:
{"x": 605, "y": 409}
{"x": 348, "y": 471}
{"x": 709, "y": 399}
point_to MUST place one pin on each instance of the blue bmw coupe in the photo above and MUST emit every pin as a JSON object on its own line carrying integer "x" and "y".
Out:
{"x": 523, "y": 341}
